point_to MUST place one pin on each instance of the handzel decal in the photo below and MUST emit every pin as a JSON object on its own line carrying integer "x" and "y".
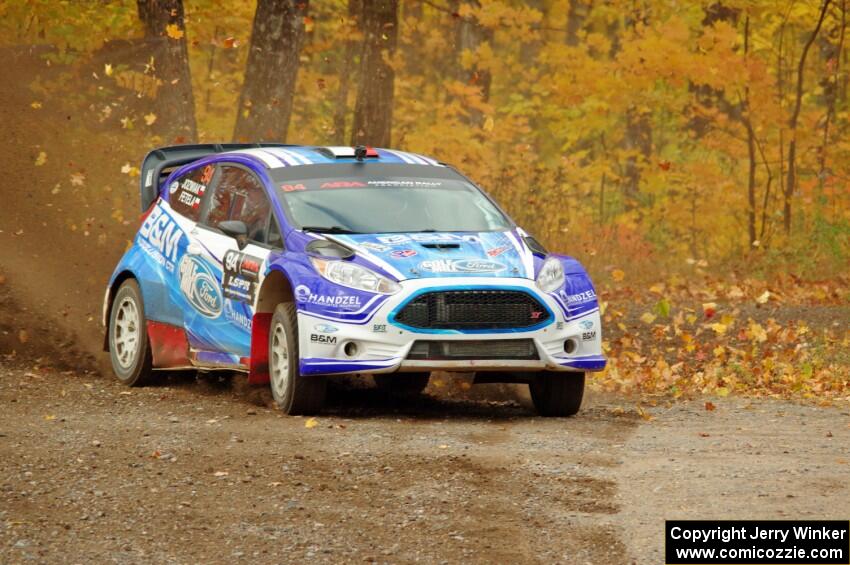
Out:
{"x": 240, "y": 276}
{"x": 200, "y": 287}
{"x": 461, "y": 266}
{"x": 240, "y": 319}
{"x": 304, "y": 294}
{"x": 579, "y": 298}
{"x": 160, "y": 236}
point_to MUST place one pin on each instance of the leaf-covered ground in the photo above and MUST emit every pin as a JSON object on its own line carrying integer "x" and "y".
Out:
{"x": 787, "y": 338}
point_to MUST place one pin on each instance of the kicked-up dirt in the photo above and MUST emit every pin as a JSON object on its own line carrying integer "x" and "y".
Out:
{"x": 203, "y": 471}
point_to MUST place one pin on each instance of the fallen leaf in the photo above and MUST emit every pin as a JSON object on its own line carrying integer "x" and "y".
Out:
{"x": 489, "y": 124}
{"x": 220, "y": 474}
{"x": 78, "y": 179}
{"x": 710, "y": 406}
{"x": 107, "y": 69}
{"x": 443, "y": 446}
{"x": 309, "y": 24}
{"x": 49, "y": 417}
{"x": 35, "y": 105}
{"x": 173, "y": 31}
{"x": 647, "y": 318}
{"x": 703, "y": 434}
{"x": 618, "y": 275}
{"x": 311, "y": 423}
{"x": 722, "y": 391}
{"x": 23, "y": 336}
{"x": 709, "y": 309}
{"x": 719, "y": 329}
{"x": 764, "y": 297}
{"x": 41, "y": 159}
{"x": 229, "y": 43}
{"x": 150, "y": 119}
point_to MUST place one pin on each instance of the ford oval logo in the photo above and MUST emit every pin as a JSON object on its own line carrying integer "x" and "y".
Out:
{"x": 200, "y": 287}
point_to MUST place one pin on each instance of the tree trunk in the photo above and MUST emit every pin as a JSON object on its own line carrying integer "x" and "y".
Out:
{"x": 469, "y": 36}
{"x": 265, "y": 104}
{"x": 577, "y": 13}
{"x": 791, "y": 182}
{"x": 373, "y": 112}
{"x": 346, "y": 69}
{"x": 176, "y": 113}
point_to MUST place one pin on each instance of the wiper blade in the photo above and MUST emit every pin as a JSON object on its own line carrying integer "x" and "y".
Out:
{"x": 328, "y": 229}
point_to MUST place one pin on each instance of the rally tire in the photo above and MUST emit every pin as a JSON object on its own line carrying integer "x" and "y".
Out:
{"x": 294, "y": 394}
{"x": 129, "y": 346}
{"x": 556, "y": 393}
{"x": 402, "y": 383}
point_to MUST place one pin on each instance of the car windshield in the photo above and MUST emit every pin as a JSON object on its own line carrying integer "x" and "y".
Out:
{"x": 385, "y": 204}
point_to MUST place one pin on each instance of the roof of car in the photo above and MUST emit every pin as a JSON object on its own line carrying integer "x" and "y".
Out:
{"x": 294, "y": 155}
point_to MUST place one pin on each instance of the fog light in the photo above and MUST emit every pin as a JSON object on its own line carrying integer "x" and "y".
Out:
{"x": 350, "y": 349}
{"x": 570, "y": 345}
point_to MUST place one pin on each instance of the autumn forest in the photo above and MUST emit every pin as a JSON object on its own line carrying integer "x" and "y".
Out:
{"x": 693, "y": 154}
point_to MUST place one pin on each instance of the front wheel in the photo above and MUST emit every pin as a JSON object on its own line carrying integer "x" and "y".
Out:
{"x": 557, "y": 393}
{"x": 129, "y": 348}
{"x": 293, "y": 393}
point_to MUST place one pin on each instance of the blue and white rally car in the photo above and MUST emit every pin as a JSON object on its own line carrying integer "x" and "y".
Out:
{"x": 292, "y": 263}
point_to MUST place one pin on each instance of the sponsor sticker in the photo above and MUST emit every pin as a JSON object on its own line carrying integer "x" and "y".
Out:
{"x": 240, "y": 276}
{"x": 402, "y": 253}
{"x": 160, "y": 236}
{"x": 372, "y": 246}
{"x": 172, "y": 188}
{"x": 200, "y": 287}
{"x": 343, "y": 184}
{"x": 585, "y": 324}
{"x": 326, "y": 339}
{"x": 379, "y": 328}
{"x": 461, "y": 266}
{"x": 588, "y": 336}
{"x": 325, "y": 328}
{"x": 343, "y": 302}
{"x": 496, "y": 251}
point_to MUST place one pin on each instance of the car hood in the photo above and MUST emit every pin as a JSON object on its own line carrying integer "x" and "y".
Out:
{"x": 445, "y": 254}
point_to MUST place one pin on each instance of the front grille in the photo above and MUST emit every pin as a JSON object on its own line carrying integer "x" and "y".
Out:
{"x": 479, "y": 349}
{"x": 473, "y": 310}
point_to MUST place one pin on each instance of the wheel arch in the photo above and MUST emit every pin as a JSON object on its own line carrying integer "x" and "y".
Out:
{"x": 276, "y": 288}
{"x": 111, "y": 290}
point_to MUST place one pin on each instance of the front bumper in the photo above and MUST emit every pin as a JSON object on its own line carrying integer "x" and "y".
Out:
{"x": 377, "y": 344}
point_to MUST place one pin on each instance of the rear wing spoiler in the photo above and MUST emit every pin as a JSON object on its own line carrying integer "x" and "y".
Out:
{"x": 159, "y": 163}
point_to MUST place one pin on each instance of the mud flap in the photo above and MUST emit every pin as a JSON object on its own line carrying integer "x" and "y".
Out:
{"x": 259, "y": 364}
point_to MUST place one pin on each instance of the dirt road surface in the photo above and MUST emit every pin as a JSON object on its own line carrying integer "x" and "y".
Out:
{"x": 202, "y": 471}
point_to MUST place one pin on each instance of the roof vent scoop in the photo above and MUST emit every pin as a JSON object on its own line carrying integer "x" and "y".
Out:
{"x": 360, "y": 152}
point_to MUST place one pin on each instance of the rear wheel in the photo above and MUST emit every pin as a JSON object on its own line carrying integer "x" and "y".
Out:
{"x": 402, "y": 383}
{"x": 557, "y": 393}
{"x": 129, "y": 348}
{"x": 293, "y": 393}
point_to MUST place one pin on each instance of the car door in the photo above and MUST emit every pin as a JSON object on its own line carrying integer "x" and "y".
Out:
{"x": 223, "y": 334}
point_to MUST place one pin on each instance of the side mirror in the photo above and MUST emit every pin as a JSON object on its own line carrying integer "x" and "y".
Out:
{"x": 235, "y": 229}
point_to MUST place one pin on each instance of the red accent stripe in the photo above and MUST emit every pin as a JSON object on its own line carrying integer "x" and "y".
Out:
{"x": 260, "y": 326}
{"x": 169, "y": 346}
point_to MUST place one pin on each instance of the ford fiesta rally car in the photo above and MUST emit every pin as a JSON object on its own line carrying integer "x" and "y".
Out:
{"x": 293, "y": 263}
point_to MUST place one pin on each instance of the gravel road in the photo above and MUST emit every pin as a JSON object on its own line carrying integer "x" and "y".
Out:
{"x": 202, "y": 471}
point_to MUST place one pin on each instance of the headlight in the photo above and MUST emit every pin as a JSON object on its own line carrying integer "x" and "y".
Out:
{"x": 354, "y": 276}
{"x": 551, "y": 276}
